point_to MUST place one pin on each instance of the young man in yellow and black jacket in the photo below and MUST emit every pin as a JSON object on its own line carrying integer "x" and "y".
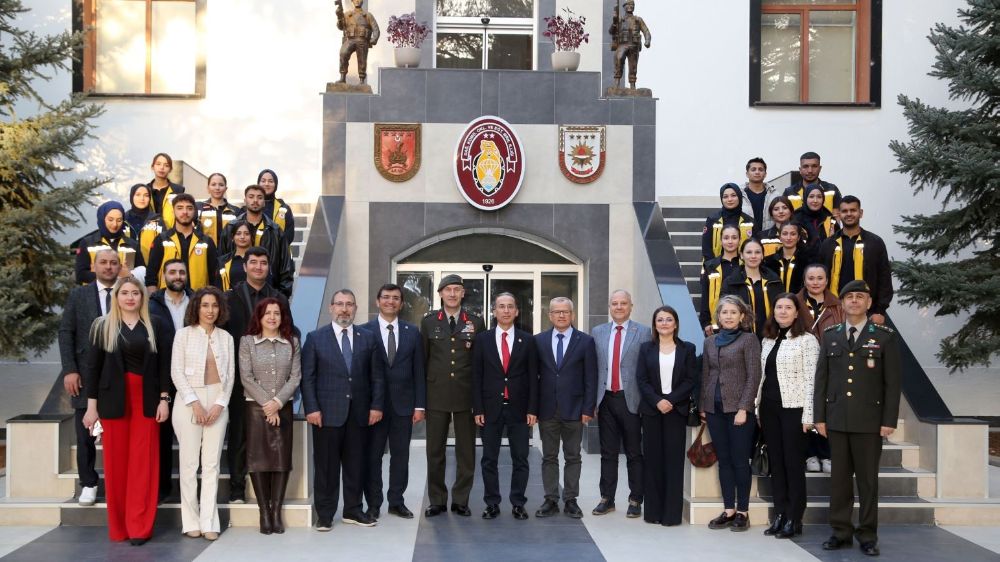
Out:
{"x": 265, "y": 234}
{"x": 857, "y": 254}
{"x": 186, "y": 243}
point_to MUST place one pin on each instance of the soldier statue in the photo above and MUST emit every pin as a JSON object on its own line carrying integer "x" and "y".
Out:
{"x": 360, "y": 33}
{"x": 626, "y": 41}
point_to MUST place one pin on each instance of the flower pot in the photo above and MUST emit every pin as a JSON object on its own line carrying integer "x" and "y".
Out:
{"x": 407, "y": 57}
{"x": 565, "y": 60}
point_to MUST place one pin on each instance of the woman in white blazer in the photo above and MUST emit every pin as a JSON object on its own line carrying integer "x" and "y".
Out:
{"x": 785, "y": 408}
{"x": 203, "y": 370}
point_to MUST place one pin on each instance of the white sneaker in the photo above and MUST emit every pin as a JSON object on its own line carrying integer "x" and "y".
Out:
{"x": 827, "y": 466}
{"x": 88, "y": 495}
{"x": 812, "y": 464}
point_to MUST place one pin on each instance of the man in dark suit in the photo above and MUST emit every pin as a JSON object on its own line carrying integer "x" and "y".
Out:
{"x": 505, "y": 396}
{"x": 343, "y": 393}
{"x": 567, "y": 398}
{"x": 856, "y": 401}
{"x": 618, "y": 400}
{"x": 447, "y": 337}
{"x": 84, "y": 305}
{"x": 242, "y": 300}
{"x": 405, "y": 401}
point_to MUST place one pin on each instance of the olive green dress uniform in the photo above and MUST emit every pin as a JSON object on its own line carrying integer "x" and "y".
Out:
{"x": 857, "y": 393}
{"x": 449, "y": 398}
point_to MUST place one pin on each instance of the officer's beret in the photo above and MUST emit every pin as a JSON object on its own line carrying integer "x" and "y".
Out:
{"x": 856, "y": 286}
{"x": 449, "y": 280}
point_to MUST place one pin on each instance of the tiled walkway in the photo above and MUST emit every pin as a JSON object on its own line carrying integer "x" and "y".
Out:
{"x": 450, "y": 537}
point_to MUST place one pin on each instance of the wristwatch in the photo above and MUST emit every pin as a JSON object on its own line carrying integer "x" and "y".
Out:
{"x": 166, "y": 399}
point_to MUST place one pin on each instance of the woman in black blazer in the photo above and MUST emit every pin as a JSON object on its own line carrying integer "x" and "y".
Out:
{"x": 665, "y": 373}
{"x": 127, "y": 380}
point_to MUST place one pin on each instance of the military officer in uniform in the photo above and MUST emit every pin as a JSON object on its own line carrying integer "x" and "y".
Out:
{"x": 447, "y": 336}
{"x": 856, "y": 406}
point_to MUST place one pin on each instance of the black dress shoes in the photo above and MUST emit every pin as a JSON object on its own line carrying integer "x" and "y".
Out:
{"x": 634, "y": 509}
{"x": 491, "y": 511}
{"x": 519, "y": 513}
{"x": 573, "y": 510}
{"x": 460, "y": 509}
{"x": 723, "y": 521}
{"x": 605, "y": 507}
{"x": 870, "y": 548}
{"x": 138, "y": 542}
{"x": 400, "y": 511}
{"x": 548, "y": 509}
{"x": 374, "y": 513}
{"x": 741, "y": 522}
{"x": 433, "y": 510}
{"x": 789, "y": 530}
{"x": 776, "y": 525}
{"x": 833, "y": 543}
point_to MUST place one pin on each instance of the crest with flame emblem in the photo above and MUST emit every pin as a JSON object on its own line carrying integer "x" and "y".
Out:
{"x": 582, "y": 152}
{"x": 397, "y": 150}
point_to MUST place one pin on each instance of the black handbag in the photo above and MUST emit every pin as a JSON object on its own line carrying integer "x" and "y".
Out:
{"x": 761, "y": 464}
{"x": 694, "y": 419}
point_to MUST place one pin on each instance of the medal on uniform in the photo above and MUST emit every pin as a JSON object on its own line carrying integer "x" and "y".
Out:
{"x": 871, "y": 362}
{"x": 468, "y": 345}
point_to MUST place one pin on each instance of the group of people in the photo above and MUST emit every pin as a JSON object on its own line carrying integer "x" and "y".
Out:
{"x": 788, "y": 351}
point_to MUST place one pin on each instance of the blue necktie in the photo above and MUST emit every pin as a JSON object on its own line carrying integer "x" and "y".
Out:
{"x": 345, "y": 349}
{"x": 559, "y": 351}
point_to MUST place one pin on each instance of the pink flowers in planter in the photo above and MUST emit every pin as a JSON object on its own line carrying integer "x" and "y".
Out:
{"x": 567, "y": 34}
{"x": 406, "y": 31}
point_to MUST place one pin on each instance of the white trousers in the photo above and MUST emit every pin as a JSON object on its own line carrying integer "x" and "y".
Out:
{"x": 200, "y": 444}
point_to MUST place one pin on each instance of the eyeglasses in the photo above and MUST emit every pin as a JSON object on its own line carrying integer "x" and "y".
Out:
{"x": 343, "y": 304}
{"x": 560, "y": 312}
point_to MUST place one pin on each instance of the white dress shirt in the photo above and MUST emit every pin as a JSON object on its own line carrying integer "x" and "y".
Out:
{"x": 383, "y": 326}
{"x": 338, "y": 331}
{"x": 510, "y": 341}
{"x": 667, "y": 371}
{"x": 101, "y": 292}
{"x": 611, "y": 350}
{"x": 555, "y": 341}
{"x": 178, "y": 310}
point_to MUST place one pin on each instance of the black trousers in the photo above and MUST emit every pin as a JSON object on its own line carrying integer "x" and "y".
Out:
{"x": 616, "y": 426}
{"x": 236, "y": 442}
{"x": 167, "y": 455}
{"x": 663, "y": 470}
{"x": 818, "y": 446}
{"x": 518, "y": 434}
{"x": 397, "y": 431}
{"x": 857, "y": 455}
{"x": 465, "y": 456}
{"x": 733, "y": 448}
{"x": 86, "y": 451}
{"x": 786, "y": 446}
{"x": 338, "y": 450}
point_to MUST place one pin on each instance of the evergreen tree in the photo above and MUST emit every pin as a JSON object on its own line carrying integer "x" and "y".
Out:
{"x": 956, "y": 153}
{"x": 36, "y": 271}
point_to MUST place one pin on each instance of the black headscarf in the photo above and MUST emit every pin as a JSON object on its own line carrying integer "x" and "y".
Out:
{"x": 137, "y": 218}
{"x": 819, "y": 215}
{"x": 269, "y": 196}
{"x": 731, "y": 214}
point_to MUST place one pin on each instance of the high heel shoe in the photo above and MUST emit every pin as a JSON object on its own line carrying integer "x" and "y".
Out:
{"x": 262, "y": 489}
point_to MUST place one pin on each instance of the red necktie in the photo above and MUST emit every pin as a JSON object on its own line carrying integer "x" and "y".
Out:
{"x": 505, "y": 358}
{"x": 616, "y": 372}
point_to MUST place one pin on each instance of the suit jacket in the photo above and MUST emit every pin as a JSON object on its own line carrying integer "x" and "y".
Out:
{"x": 682, "y": 379}
{"x": 104, "y": 375}
{"x": 572, "y": 388}
{"x": 82, "y": 308}
{"x": 857, "y": 388}
{"x": 327, "y": 385}
{"x": 635, "y": 336}
{"x": 405, "y": 381}
{"x": 239, "y": 300}
{"x": 489, "y": 378}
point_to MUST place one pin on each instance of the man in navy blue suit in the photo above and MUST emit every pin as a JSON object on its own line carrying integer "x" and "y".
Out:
{"x": 405, "y": 401}
{"x": 505, "y": 395}
{"x": 567, "y": 398}
{"x": 343, "y": 392}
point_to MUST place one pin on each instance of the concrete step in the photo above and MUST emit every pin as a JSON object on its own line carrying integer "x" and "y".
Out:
{"x": 688, "y": 254}
{"x": 689, "y": 239}
{"x": 891, "y": 510}
{"x": 892, "y": 481}
{"x": 221, "y": 496}
{"x": 687, "y": 212}
{"x": 61, "y": 511}
{"x": 685, "y": 225}
{"x": 691, "y": 269}
{"x": 99, "y": 461}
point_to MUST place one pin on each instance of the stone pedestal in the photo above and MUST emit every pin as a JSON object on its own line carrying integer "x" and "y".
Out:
{"x": 344, "y": 88}
{"x": 616, "y": 92}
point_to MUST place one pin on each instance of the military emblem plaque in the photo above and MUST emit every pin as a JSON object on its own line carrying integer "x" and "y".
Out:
{"x": 582, "y": 152}
{"x": 489, "y": 163}
{"x": 397, "y": 150}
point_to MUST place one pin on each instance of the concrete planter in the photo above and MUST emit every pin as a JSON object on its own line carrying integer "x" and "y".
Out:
{"x": 565, "y": 60}
{"x": 407, "y": 57}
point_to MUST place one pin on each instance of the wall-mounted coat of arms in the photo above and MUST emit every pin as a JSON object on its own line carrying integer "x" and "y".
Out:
{"x": 582, "y": 152}
{"x": 397, "y": 150}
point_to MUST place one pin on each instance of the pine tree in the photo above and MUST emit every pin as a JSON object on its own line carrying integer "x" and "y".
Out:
{"x": 36, "y": 271}
{"x": 956, "y": 153}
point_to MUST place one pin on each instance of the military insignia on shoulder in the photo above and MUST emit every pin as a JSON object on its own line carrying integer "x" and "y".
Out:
{"x": 834, "y": 327}
{"x": 883, "y": 328}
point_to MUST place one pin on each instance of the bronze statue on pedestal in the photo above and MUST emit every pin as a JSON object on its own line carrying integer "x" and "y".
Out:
{"x": 360, "y": 33}
{"x": 626, "y": 41}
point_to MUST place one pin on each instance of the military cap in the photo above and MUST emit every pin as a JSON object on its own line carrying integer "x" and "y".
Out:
{"x": 451, "y": 279}
{"x": 856, "y": 286}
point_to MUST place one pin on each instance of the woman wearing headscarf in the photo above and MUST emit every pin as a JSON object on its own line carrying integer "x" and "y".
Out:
{"x": 112, "y": 232}
{"x": 276, "y": 208}
{"x": 815, "y": 218}
{"x": 144, "y": 224}
{"x": 730, "y": 213}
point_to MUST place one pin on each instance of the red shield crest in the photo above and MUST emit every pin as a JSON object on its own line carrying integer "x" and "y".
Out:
{"x": 582, "y": 151}
{"x": 489, "y": 163}
{"x": 397, "y": 150}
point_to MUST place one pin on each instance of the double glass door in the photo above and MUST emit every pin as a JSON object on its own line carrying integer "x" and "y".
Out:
{"x": 532, "y": 285}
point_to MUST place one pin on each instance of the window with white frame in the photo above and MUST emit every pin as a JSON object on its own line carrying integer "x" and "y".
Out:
{"x": 141, "y": 47}
{"x": 494, "y": 34}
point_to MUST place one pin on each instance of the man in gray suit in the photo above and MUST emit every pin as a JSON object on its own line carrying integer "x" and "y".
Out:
{"x": 618, "y": 398}
{"x": 84, "y": 305}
